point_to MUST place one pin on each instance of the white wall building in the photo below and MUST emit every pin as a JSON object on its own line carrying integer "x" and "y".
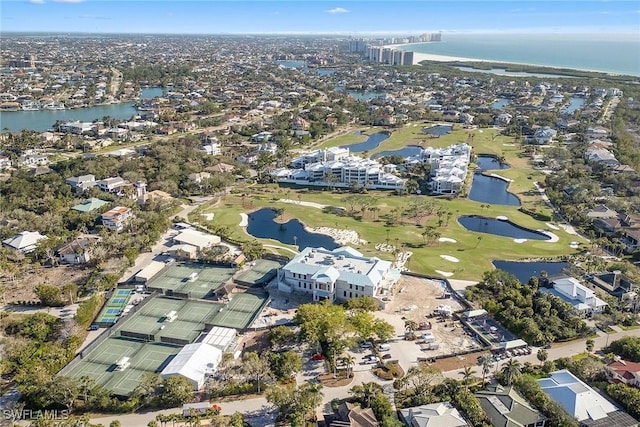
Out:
{"x": 449, "y": 167}
{"x": 583, "y": 299}
{"x": 340, "y": 274}
{"x": 116, "y": 218}
{"x": 339, "y": 170}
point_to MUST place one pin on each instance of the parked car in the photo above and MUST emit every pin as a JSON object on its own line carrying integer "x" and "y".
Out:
{"x": 317, "y": 357}
{"x": 371, "y": 360}
{"x": 94, "y": 327}
{"x": 366, "y": 344}
{"x": 384, "y": 347}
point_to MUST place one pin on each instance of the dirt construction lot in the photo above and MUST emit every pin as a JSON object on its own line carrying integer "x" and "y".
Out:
{"x": 415, "y": 299}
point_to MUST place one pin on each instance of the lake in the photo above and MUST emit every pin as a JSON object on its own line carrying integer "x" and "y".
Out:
{"x": 574, "y": 104}
{"x": 43, "y": 120}
{"x": 524, "y": 270}
{"x": 408, "y": 151}
{"x": 499, "y": 228}
{"x": 489, "y": 189}
{"x": 373, "y": 141}
{"x": 438, "y": 130}
{"x": 364, "y": 96}
{"x": 262, "y": 225}
{"x": 500, "y": 104}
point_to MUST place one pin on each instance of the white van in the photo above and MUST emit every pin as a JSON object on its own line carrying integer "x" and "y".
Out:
{"x": 384, "y": 347}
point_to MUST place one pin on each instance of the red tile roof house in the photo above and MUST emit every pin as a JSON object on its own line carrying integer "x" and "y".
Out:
{"x": 622, "y": 371}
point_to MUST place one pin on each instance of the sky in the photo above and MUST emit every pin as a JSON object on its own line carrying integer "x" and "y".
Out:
{"x": 319, "y": 16}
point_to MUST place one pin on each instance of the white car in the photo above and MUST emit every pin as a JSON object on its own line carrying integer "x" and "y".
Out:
{"x": 369, "y": 360}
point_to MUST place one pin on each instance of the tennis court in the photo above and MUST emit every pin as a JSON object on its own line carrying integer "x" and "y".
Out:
{"x": 191, "y": 279}
{"x": 260, "y": 273}
{"x": 241, "y": 310}
{"x": 114, "y": 306}
{"x": 150, "y": 323}
{"x": 100, "y": 363}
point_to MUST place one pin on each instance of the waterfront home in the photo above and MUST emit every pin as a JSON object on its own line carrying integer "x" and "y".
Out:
{"x": 582, "y": 402}
{"x": 583, "y": 299}
{"x": 440, "y": 414}
{"x": 340, "y": 274}
{"x": 623, "y": 371}
{"x": 78, "y": 128}
{"x": 25, "y": 242}
{"x": 80, "y": 184}
{"x": 116, "y": 218}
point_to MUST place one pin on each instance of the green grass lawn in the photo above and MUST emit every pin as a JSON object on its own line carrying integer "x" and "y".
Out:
{"x": 474, "y": 254}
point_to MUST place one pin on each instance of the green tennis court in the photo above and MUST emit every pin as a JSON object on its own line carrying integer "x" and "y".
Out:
{"x": 123, "y": 292}
{"x": 241, "y": 311}
{"x": 117, "y": 302}
{"x": 100, "y": 363}
{"x": 192, "y": 280}
{"x": 260, "y": 273}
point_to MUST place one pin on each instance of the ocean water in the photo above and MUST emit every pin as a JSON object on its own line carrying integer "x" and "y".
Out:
{"x": 608, "y": 52}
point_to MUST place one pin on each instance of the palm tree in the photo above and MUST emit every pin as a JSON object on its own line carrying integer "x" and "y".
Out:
{"x": 511, "y": 370}
{"x": 467, "y": 374}
{"x": 349, "y": 361}
{"x": 410, "y": 326}
{"x": 486, "y": 361}
{"x": 542, "y": 355}
{"x": 365, "y": 393}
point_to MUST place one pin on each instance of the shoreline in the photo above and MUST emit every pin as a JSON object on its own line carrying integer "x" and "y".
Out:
{"x": 419, "y": 57}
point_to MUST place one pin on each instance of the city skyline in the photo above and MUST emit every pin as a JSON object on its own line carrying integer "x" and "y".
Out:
{"x": 317, "y": 17}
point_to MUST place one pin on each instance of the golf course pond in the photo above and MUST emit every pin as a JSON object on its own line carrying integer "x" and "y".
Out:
{"x": 499, "y": 227}
{"x": 262, "y": 224}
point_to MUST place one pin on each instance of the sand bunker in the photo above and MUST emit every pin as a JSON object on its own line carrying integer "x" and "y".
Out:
{"x": 244, "y": 220}
{"x": 449, "y": 258}
{"x": 299, "y": 202}
{"x": 447, "y": 239}
{"x": 444, "y": 273}
{"x": 208, "y": 216}
{"x": 502, "y": 218}
{"x": 553, "y": 238}
{"x": 519, "y": 240}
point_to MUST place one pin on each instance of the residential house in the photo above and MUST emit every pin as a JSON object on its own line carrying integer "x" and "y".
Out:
{"x": 221, "y": 168}
{"x": 631, "y": 240}
{"x": 350, "y": 415}
{"x": 116, "y": 218}
{"x": 212, "y": 149}
{"x": 502, "y": 119}
{"x": 583, "y": 299}
{"x": 600, "y": 211}
{"x": 582, "y": 402}
{"x": 338, "y": 274}
{"x": 199, "y": 177}
{"x": 80, "y": 184}
{"x": 298, "y": 123}
{"x": 90, "y": 205}
{"x": 5, "y": 162}
{"x": 622, "y": 371}
{"x": 77, "y": 251}
{"x": 505, "y": 407}
{"x": 441, "y": 414}
{"x": 543, "y": 136}
{"x": 114, "y": 185}
{"x": 601, "y": 155}
{"x": 25, "y": 242}
{"x": 33, "y": 159}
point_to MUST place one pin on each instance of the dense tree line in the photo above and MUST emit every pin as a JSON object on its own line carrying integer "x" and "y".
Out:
{"x": 626, "y": 347}
{"x": 537, "y": 317}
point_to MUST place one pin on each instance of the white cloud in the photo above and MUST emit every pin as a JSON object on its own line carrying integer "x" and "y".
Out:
{"x": 336, "y": 10}
{"x": 68, "y": 1}
{"x": 36, "y": 1}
